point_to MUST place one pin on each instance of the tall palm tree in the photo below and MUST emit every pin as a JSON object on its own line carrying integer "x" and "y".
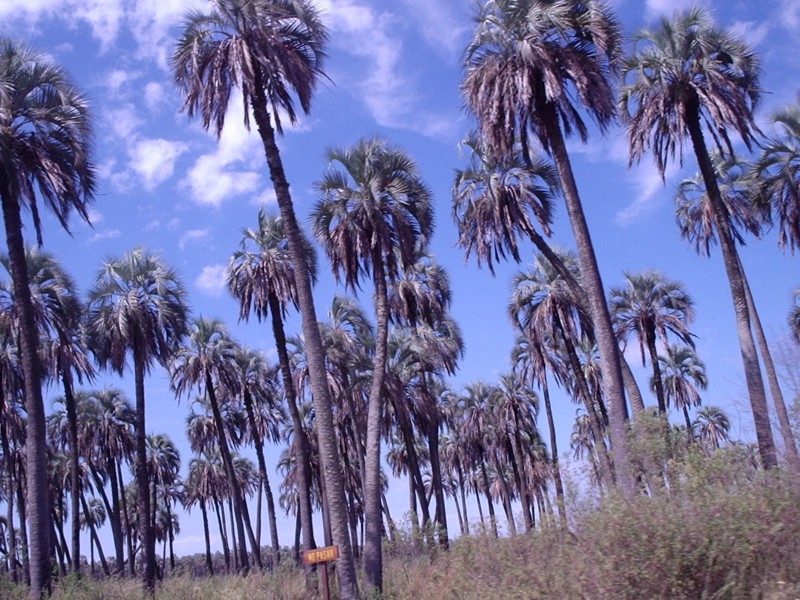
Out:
{"x": 776, "y": 175}
{"x": 546, "y": 312}
{"x": 497, "y": 198}
{"x": 530, "y": 67}
{"x": 649, "y": 306}
{"x": 45, "y": 156}
{"x": 684, "y": 73}
{"x": 57, "y": 310}
{"x": 374, "y": 214}
{"x": 208, "y": 362}
{"x": 746, "y": 214}
{"x": 257, "y": 398}
{"x": 138, "y": 307}
{"x": 273, "y": 51}
{"x": 260, "y": 275}
{"x": 420, "y": 298}
{"x": 107, "y": 428}
{"x": 684, "y": 375}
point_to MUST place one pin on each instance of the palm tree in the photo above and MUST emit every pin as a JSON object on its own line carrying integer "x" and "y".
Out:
{"x": 420, "y": 298}
{"x": 682, "y": 74}
{"x": 272, "y": 50}
{"x": 683, "y": 375}
{"x": 107, "y": 435}
{"x": 648, "y": 306}
{"x": 529, "y": 65}
{"x": 497, "y": 198}
{"x": 695, "y": 217}
{"x": 373, "y": 216}
{"x": 163, "y": 466}
{"x": 776, "y": 177}
{"x": 545, "y": 310}
{"x": 137, "y": 306}
{"x": 57, "y": 311}
{"x": 208, "y": 362}
{"x": 260, "y": 275}
{"x": 45, "y": 143}
{"x": 263, "y": 423}
{"x": 711, "y": 427}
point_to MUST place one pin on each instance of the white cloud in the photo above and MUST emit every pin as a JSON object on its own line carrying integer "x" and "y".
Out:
{"x": 154, "y": 95}
{"x": 265, "y": 198}
{"x": 123, "y": 121}
{"x": 154, "y": 159}
{"x": 752, "y": 32}
{"x": 667, "y": 8}
{"x": 439, "y": 25}
{"x": 219, "y": 175}
{"x": 211, "y": 280}
{"x": 95, "y": 216}
{"x": 117, "y": 81}
{"x": 647, "y": 183}
{"x": 789, "y": 13}
{"x": 108, "y": 234}
{"x": 192, "y": 235}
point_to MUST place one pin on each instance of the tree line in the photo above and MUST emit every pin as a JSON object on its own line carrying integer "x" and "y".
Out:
{"x": 534, "y": 72}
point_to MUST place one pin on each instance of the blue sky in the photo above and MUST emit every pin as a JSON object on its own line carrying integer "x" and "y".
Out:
{"x": 394, "y": 70}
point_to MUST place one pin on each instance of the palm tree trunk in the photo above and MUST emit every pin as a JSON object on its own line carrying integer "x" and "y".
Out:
{"x": 22, "y": 513}
{"x": 218, "y": 508}
{"x": 115, "y": 516}
{"x": 233, "y": 482}
{"x": 8, "y": 465}
{"x": 551, "y": 427}
{"x": 262, "y": 467}
{"x": 127, "y": 520}
{"x": 329, "y": 454}
{"x": 752, "y": 371}
{"x": 463, "y": 491}
{"x": 207, "y": 536}
{"x": 789, "y": 443}
{"x": 373, "y": 557}
{"x": 488, "y": 494}
{"x": 93, "y": 533}
{"x": 146, "y": 537}
{"x": 659, "y": 384}
{"x": 36, "y": 434}
{"x": 74, "y": 484}
{"x": 613, "y": 388}
{"x": 606, "y": 466}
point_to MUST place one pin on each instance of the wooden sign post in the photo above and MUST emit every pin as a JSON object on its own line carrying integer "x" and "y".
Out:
{"x": 322, "y": 556}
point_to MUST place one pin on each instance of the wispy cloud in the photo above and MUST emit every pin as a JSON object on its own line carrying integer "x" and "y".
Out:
{"x": 193, "y": 235}
{"x": 230, "y": 170}
{"x": 211, "y": 280}
{"x": 667, "y": 8}
{"x": 154, "y": 160}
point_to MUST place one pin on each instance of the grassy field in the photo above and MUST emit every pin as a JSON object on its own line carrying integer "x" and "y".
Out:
{"x": 717, "y": 531}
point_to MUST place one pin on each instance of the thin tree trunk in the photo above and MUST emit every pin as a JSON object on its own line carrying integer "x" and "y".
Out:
{"x": 146, "y": 537}
{"x": 8, "y": 465}
{"x": 373, "y": 555}
{"x": 127, "y": 521}
{"x": 262, "y": 466}
{"x": 93, "y": 532}
{"x": 115, "y": 517}
{"x": 789, "y": 443}
{"x": 75, "y": 484}
{"x": 562, "y": 507}
{"x": 36, "y": 435}
{"x": 613, "y": 388}
{"x": 329, "y": 454}
{"x": 487, "y": 493}
{"x": 752, "y": 371}
{"x": 230, "y": 472}
{"x": 207, "y": 536}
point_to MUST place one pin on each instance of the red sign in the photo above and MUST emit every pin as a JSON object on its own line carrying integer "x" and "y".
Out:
{"x": 321, "y": 555}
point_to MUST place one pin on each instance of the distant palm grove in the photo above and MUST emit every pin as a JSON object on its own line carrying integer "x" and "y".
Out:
{"x": 365, "y": 387}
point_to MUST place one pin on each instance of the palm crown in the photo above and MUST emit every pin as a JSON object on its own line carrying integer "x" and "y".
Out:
{"x": 268, "y": 48}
